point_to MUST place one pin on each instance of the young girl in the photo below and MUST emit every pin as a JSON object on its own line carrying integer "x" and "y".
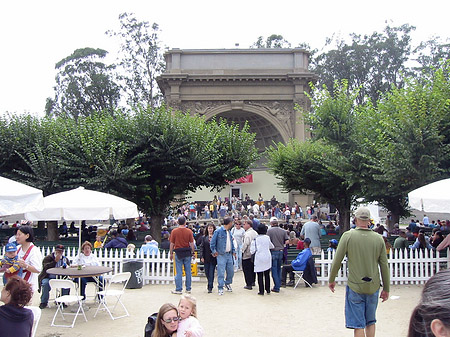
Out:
{"x": 189, "y": 325}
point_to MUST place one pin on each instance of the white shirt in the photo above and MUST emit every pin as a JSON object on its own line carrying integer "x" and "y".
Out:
{"x": 33, "y": 259}
{"x": 261, "y": 247}
{"x": 192, "y": 325}
{"x": 238, "y": 235}
{"x": 90, "y": 260}
{"x": 228, "y": 245}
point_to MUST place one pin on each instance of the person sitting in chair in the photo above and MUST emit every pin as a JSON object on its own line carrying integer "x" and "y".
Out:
{"x": 55, "y": 259}
{"x": 298, "y": 264}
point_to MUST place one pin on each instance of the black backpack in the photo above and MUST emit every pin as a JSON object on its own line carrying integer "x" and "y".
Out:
{"x": 150, "y": 326}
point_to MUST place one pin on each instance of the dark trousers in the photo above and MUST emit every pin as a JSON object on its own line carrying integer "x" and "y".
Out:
{"x": 264, "y": 281}
{"x": 249, "y": 274}
{"x": 287, "y": 269}
{"x": 210, "y": 267}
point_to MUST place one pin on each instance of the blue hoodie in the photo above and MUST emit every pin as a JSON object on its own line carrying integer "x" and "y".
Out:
{"x": 15, "y": 321}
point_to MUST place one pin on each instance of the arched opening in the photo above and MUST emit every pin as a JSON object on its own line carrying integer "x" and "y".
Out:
{"x": 266, "y": 133}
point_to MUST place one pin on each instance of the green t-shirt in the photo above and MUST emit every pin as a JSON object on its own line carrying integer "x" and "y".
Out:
{"x": 365, "y": 251}
{"x": 401, "y": 243}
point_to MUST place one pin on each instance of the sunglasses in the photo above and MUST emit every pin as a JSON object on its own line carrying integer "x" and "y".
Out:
{"x": 170, "y": 320}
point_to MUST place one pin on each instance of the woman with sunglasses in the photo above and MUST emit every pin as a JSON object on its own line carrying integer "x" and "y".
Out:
{"x": 166, "y": 321}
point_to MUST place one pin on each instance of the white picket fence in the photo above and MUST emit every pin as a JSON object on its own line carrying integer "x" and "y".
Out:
{"x": 406, "y": 267}
{"x": 412, "y": 266}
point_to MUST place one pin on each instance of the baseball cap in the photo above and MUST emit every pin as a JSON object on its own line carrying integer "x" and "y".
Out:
{"x": 307, "y": 240}
{"x": 59, "y": 247}
{"x": 274, "y": 219}
{"x": 334, "y": 241}
{"x": 362, "y": 213}
{"x": 10, "y": 247}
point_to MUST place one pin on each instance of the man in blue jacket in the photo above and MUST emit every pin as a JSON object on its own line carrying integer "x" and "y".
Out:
{"x": 222, "y": 247}
{"x": 116, "y": 241}
{"x": 298, "y": 264}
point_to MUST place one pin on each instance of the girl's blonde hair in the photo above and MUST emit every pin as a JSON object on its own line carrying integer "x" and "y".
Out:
{"x": 131, "y": 247}
{"x": 193, "y": 301}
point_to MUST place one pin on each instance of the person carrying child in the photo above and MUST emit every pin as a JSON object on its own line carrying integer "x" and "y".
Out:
{"x": 10, "y": 262}
{"x": 189, "y": 325}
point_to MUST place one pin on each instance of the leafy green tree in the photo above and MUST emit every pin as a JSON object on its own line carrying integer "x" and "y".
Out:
{"x": 309, "y": 167}
{"x": 273, "y": 41}
{"x": 179, "y": 153}
{"x": 372, "y": 63}
{"x": 151, "y": 156}
{"x": 404, "y": 142}
{"x": 332, "y": 170}
{"x": 431, "y": 53}
{"x": 84, "y": 85}
{"x": 141, "y": 60}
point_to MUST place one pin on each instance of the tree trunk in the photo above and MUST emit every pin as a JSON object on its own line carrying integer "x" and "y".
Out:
{"x": 52, "y": 231}
{"x": 391, "y": 220}
{"x": 155, "y": 226}
{"x": 130, "y": 223}
{"x": 344, "y": 215}
{"x": 41, "y": 224}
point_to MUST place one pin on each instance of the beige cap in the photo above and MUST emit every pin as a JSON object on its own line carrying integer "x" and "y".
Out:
{"x": 362, "y": 213}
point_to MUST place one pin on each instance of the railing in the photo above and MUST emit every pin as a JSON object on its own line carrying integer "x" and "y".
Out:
{"x": 406, "y": 267}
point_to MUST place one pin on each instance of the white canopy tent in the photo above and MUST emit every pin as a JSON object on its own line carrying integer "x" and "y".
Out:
{"x": 17, "y": 198}
{"x": 434, "y": 197}
{"x": 81, "y": 204}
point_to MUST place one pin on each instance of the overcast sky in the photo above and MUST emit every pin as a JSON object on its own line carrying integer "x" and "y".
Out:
{"x": 35, "y": 35}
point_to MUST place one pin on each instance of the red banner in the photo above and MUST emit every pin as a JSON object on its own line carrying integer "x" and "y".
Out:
{"x": 242, "y": 180}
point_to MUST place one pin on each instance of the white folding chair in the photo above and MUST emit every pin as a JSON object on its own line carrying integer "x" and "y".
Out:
{"x": 117, "y": 293}
{"x": 61, "y": 300}
{"x": 36, "y": 317}
{"x": 299, "y": 275}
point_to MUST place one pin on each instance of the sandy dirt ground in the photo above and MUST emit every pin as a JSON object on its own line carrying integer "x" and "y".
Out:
{"x": 292, "y": 312}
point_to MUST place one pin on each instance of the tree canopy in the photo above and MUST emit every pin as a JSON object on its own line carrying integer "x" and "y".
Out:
{"x": 151, "y": 157}
{"x": 376, "y": 152}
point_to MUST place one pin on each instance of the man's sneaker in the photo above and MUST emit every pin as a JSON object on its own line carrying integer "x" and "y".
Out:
{"x": 275, "y": 290}
{"x": 176, "y": 292}
{"x": 209, "y": 291}
{"x": 290, "y": 284}
{"x": 220, "y": 292}
{"x": 43, "y": 305}
{"x": 248, "y": 288}
{"x": 228, "y": 288}
{"x": 188, "y": 291}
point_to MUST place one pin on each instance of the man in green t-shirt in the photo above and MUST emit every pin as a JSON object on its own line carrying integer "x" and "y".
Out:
{"x": 365, "y": 251}
{"x": 401, "y": 242}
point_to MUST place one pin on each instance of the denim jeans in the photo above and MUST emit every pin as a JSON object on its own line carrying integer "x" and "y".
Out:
{"x": 238, "y": 260}
{"x": 225, "y": 263}
{"x": 277, "y": 261}
{"x": 179, "y": 263}
{"x": 209, "y": 272}
{"x": 85, "y": 280}
{"x": 45, "y": 289}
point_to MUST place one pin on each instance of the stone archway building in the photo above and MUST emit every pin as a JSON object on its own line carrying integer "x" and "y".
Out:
{"x": 261, "y": 86}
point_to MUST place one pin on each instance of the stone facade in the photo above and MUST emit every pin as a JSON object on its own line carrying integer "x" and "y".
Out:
{"x": 264, "y": 86}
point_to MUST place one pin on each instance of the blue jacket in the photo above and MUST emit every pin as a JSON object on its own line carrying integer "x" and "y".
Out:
{"x": 219, "y": 241}
{"x": 302, "y": 258}
{"x": 117, "y": 242}
{"x": 149, "y": 248}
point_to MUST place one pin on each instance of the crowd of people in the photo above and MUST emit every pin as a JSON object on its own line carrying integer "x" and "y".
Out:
{"x": 241, "y": 242}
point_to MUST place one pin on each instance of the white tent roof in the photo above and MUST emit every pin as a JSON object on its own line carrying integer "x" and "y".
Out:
{"x": 82, "y": 204}
{"x": 16, "y": 198}
{"x": 434, "y": 197}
